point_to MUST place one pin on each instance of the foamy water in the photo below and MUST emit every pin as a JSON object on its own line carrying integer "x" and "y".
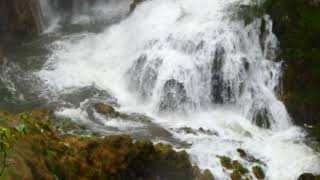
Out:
{"x": 187, "y": 63}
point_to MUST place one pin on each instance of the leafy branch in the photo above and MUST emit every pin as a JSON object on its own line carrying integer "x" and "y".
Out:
{"x": 6, "y": 138}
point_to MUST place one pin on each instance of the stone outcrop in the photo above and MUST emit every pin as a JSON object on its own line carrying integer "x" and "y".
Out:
{"x": 20, "y": 16}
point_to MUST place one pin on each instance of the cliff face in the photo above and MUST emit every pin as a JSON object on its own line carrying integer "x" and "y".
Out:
{"x": 20, "y": 16}
{"x": 296, "y": 24}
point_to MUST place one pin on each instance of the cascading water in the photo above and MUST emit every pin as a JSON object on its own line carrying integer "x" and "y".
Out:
{"x": 58, "y": 13}
{"x": 187, "y": 63}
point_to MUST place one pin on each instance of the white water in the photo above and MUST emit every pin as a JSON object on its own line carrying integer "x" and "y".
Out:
{"x": 81, "y": 12}
{"x": 222, "y": 80}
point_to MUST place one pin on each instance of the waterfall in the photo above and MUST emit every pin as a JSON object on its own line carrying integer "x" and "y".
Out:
{"x": 189, "y": 63}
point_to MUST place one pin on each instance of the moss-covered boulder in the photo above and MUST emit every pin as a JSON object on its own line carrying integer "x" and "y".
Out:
{"x": 108, "y": 111}
{"x": 248, "y": 157}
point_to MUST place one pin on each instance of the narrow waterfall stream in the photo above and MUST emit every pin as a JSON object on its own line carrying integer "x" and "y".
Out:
{"x": 185, "y": 65}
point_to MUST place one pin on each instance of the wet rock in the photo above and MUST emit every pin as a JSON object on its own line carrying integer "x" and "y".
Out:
{"x": 247, "y": 156}
{"x": 258, "y": 172}
{"x": 134, "y": 4}
{"x": 20, "y": 16}
{"x": 262, "y": 118}
{"x": 217, "y": 76}
{"x": 246, "y": 64}
{"x": 208, "y": 132}
{"x": 76, "y": 96}
{"x": 173, "y": 97}
{"x": 187, "y": 130}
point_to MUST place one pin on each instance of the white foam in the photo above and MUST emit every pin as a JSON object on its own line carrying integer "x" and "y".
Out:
{"x": 170, "y": 30}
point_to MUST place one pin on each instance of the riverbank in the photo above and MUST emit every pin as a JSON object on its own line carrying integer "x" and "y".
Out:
{"x": 44, "y": 154}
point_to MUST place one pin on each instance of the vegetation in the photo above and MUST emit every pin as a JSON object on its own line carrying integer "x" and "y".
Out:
{"x": 43, "y": 154}
{"x": 296, "y": 24}
{"x": 6, "y": 138}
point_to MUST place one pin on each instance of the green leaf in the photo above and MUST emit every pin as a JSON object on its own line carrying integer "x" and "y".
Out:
{"x": 24, "y": 116}
{"x": 5, "y": 133}
{"x": 21, "y": 128}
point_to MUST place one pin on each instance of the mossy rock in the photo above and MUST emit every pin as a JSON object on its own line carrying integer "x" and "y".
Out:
{"x": 106, "y": 110}
{"x": 206, "y": 175}
{"x": 187, "y": 130}
{"x": 236, "y": 175}
{"x": 258, "y": 172}
{"x": 236, "y": 165}
{"x": 243, "y": 154}
{"x": 225, "y": 162}
{"x": 109, "y": 111}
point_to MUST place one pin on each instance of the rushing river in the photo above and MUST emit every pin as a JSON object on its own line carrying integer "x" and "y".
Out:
{"x": 184, "y": 64}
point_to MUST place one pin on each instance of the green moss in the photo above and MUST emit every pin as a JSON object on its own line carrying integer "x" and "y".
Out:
{"x": 258, "y": 172}
{"x": 236, "y": 165}
{"x": 225, "y": 162}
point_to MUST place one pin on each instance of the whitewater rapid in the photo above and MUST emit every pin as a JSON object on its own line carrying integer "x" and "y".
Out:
{"x": 188, "y": 63}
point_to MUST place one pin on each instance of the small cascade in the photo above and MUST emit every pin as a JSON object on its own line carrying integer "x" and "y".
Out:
{"x": 58, "y": 13}
{"x": 233, "y": 66}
